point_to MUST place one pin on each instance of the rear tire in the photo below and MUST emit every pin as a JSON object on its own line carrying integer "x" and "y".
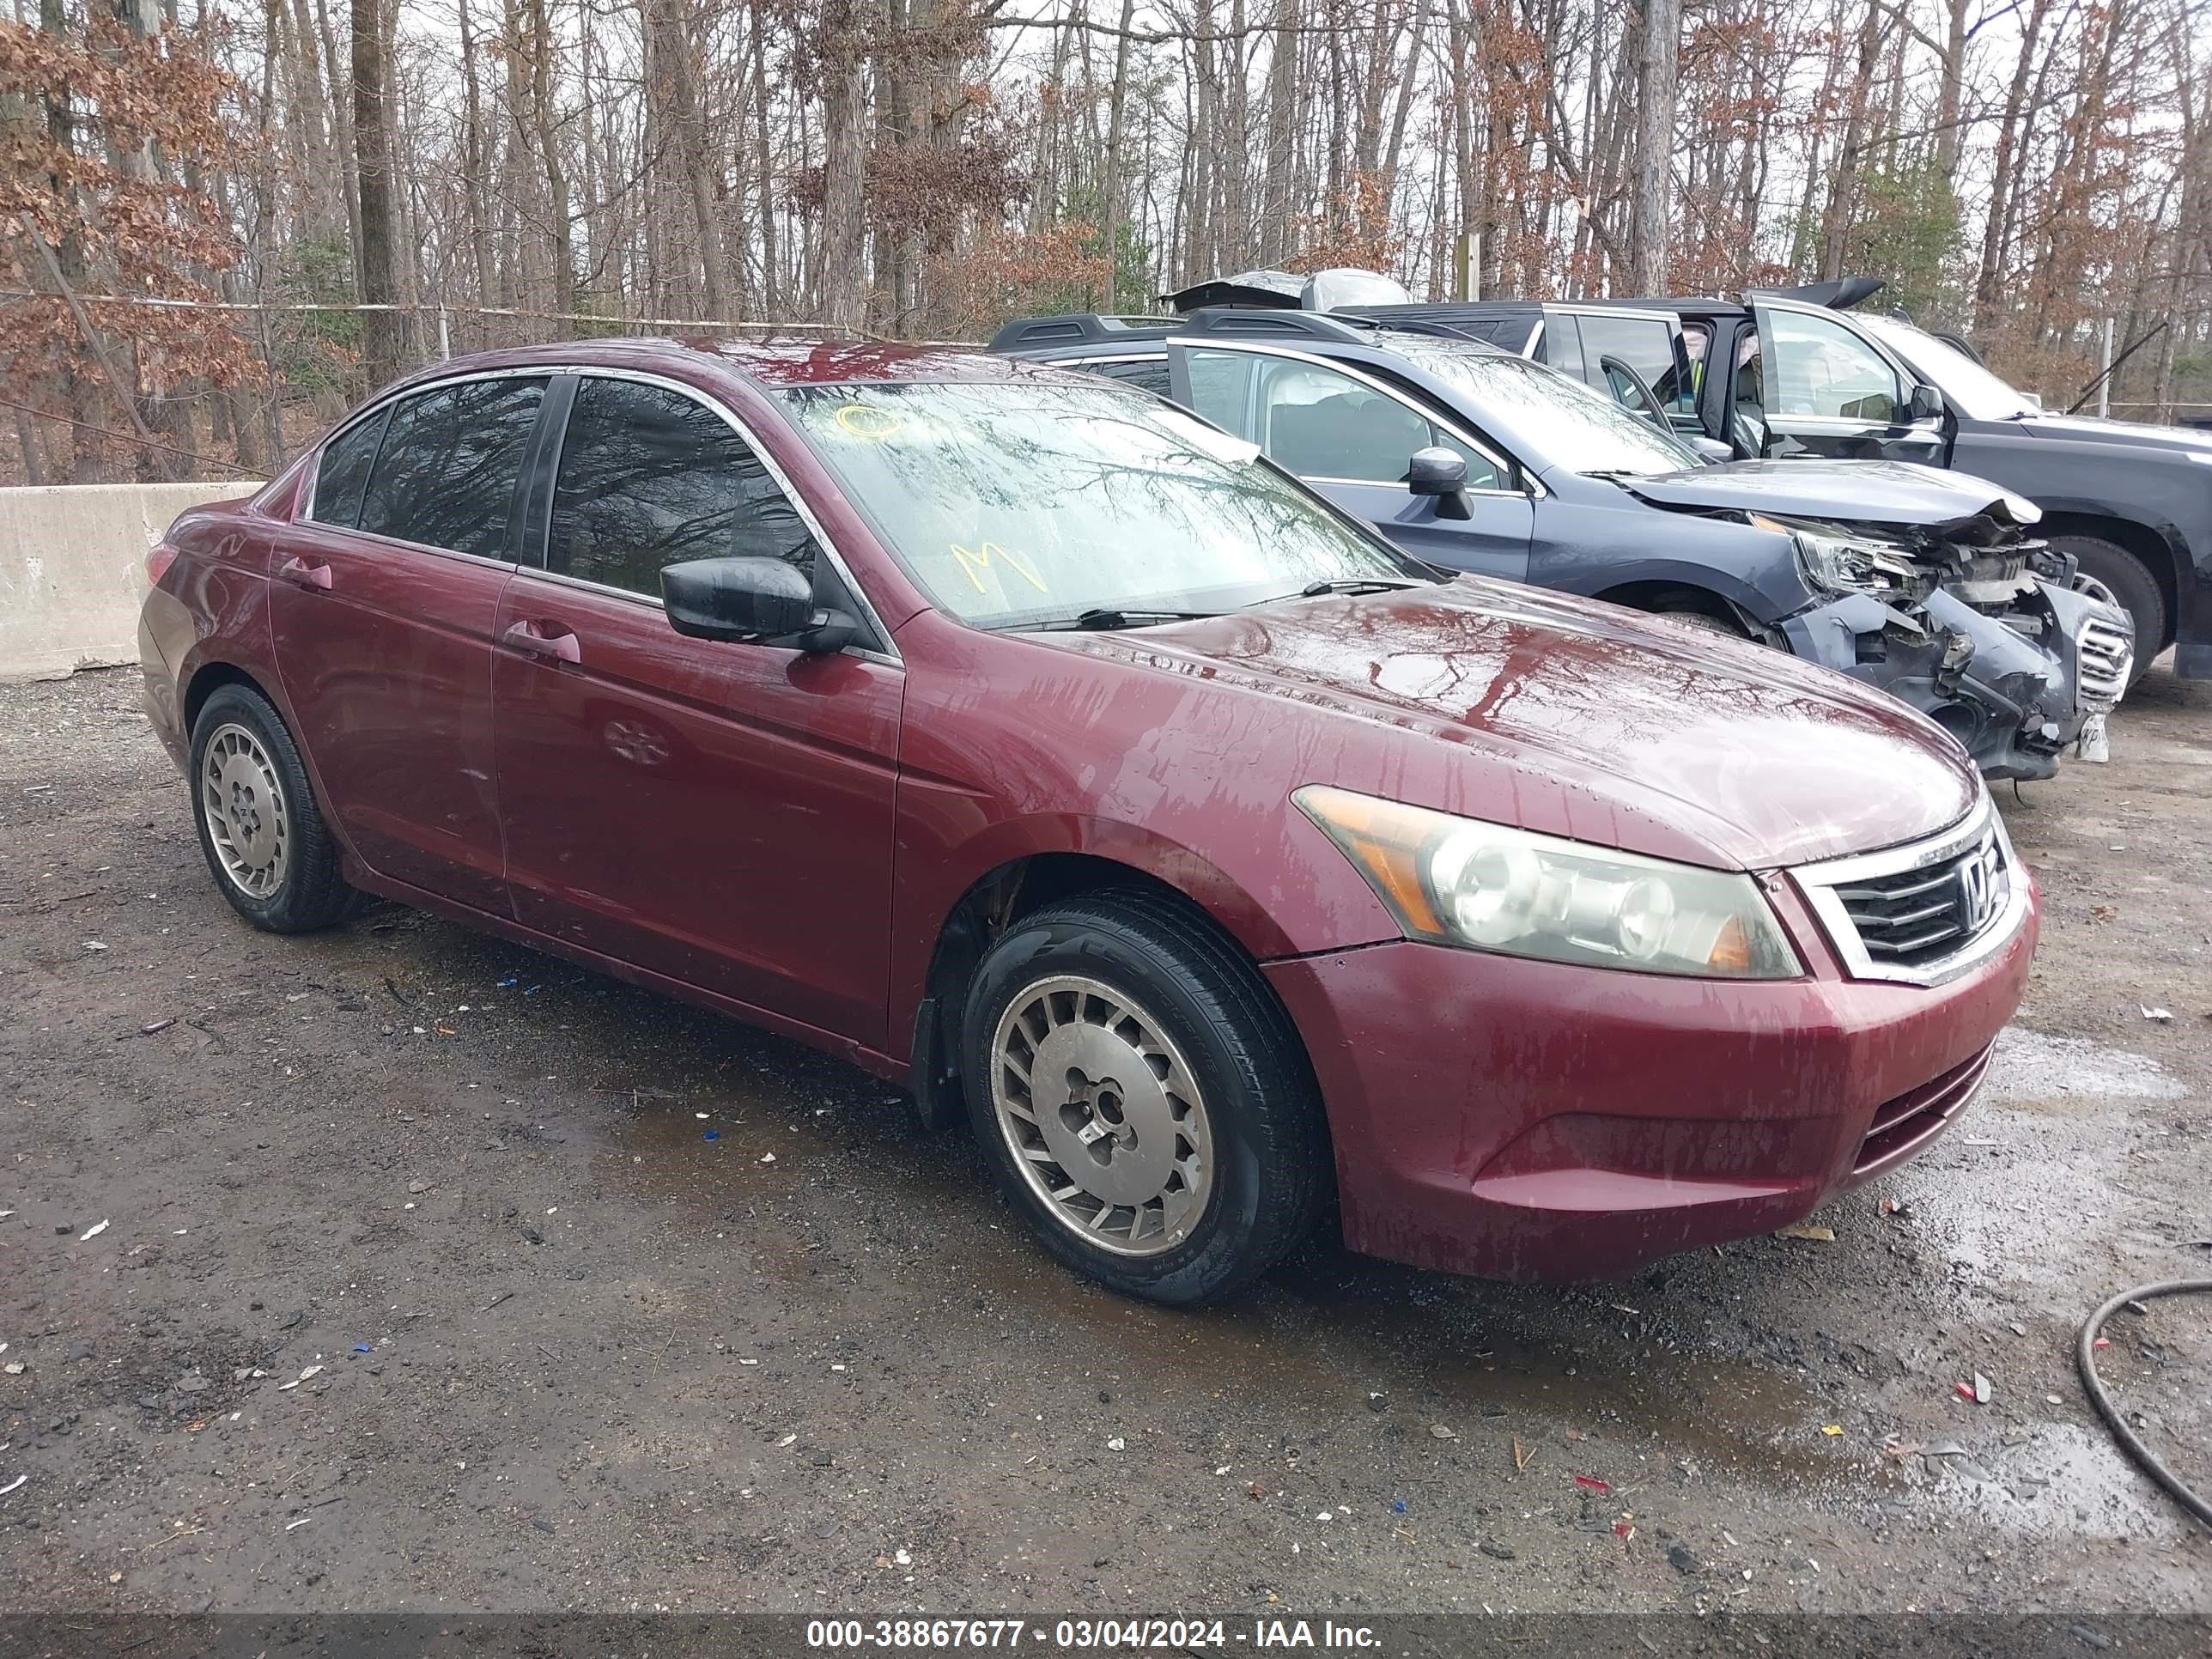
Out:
{"x": 1142, "y": 1097}
{"x": 2133, "y": 587}
{"x": 266, "y": 844}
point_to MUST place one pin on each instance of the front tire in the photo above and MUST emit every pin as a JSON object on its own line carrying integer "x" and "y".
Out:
{"x": 1705, "y": 621}
{"x": 266, "y": 844}
{"x": 1142, "y": 1097}
{"x": 2133, "y": 587}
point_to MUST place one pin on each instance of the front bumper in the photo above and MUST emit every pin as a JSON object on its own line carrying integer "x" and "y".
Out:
{"x": 2013, "y": 703}
{"x": 1529, "y": 1120}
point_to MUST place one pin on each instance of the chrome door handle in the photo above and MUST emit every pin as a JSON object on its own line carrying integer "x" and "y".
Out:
{"x": 544, "y": 640}
{"x": 300, "y": 574}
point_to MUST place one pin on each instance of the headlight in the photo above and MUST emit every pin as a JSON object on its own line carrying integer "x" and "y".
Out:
{"x": 1832, "y": 563}
{"x": 1460, "y": 881}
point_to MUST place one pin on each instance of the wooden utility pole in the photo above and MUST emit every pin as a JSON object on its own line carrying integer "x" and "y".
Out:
{"x": 385, "y": 335}
{"x": 1658, "y": 52}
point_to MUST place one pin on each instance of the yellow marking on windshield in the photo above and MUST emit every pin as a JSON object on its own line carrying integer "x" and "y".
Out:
{"x": 867, "y": 421}
{"x": 972, "y": 563}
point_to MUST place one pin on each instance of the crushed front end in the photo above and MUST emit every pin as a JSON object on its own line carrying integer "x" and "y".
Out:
{"x": 1973, "y": 622}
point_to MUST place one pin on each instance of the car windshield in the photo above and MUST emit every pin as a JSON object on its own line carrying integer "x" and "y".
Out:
{"x": 1030, "y": 503}
{"x": 1566, "y": 423}
{"x": 1980, "y": 395}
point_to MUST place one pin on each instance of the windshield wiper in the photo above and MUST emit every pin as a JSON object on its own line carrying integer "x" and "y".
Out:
{"x": 1341, "y": 584}
{"x": 1354, "y": 584}
{"x": 1104, "y": 619}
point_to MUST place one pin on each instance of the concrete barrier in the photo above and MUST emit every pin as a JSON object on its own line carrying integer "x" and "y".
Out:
{"x": 73, "y": 570}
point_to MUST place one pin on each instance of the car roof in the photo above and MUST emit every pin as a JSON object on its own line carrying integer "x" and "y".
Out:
{"x": 1078, "y": 336}
{"x": 1509, "y": 325}
{"x": 771, "y": 365}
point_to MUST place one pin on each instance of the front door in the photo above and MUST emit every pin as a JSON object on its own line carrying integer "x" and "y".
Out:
{"x": 1351, "y": 437}
{"x": 718, "y": 813}
{"x": 1820, "y": 387}
{"x": 381, "y": 608}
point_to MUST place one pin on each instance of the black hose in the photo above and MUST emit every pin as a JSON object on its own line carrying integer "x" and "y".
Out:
{"x": 2085, "y": 1356}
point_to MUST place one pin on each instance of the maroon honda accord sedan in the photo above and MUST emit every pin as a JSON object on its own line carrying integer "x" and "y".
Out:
{"x": 1041, "y": 748}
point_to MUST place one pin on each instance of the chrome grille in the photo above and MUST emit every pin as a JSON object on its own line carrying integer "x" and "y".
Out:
{"x": 1921, "y": 912}
{"x": 2106, "y": 652}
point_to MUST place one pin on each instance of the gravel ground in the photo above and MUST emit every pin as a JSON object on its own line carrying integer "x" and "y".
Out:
{"x": 397, "y": 1268}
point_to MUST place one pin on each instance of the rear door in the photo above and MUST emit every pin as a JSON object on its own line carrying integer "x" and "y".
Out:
{"x": 381, "y": 606}
{"x": 1625, "y": 352}
{"x": 1822, "y": 388}
{"x": 717, "y": 813}
{"x": 1352, "y": 436}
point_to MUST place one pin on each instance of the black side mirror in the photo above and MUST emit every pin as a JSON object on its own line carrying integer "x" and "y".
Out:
{"x": 755, "y": 601}
{"x": 1442, "y": 473}
{"x": 1926, "y": 404}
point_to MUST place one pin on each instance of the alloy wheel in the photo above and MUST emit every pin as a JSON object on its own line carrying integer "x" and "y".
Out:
{"x": 248, "y": 822}
{"x": 1102, "y": 1116}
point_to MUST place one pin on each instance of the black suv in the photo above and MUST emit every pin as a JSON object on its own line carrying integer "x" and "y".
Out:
{"x": 1800, "y": 372}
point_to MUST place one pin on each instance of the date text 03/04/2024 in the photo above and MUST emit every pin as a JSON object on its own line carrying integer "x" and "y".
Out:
{"x": 1080, "y": 1635}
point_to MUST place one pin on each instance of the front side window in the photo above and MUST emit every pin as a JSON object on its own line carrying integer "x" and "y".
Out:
{"x": 1548, "y": 418}
{"x": 1816, "y": 366}
{"x": 650, "y": 477}
{"x": 342, "y": 474}
{"x": 1027, "y": 503}
{"x": 452, "y": 457}
{"x": 1320, "y": 423}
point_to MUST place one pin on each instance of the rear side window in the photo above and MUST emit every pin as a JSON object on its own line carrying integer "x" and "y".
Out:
{"x": 1150, "y": 372}
{"x": 651, "y": 478}
{"x": 342, "y": 473}
{"x": 452, "y": 457}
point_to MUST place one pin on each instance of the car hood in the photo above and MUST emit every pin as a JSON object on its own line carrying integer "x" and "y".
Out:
{"x": 2175, "y": 440}
{"x": 1583, "y": 719}
{"x": 1854, "y": 492}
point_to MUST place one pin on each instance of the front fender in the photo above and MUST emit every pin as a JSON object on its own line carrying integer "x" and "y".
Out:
{"x": 1316, "y": 900}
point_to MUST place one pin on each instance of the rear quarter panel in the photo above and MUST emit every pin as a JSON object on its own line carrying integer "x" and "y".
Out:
{"x": 212, "y": 606}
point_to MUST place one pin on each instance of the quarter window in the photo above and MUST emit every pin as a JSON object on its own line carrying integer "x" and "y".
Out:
{"x": 1320, "y": 423}
{"x": 651, "y": 478}
{"x": 342, "y": 473}
{"x": 452, "y": 458}
{"x": 1814, "y": 366}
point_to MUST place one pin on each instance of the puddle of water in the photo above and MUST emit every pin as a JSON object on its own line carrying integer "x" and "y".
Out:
{"x": 2068, "y": 1479}
{"x": 2029, "y": 1066}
